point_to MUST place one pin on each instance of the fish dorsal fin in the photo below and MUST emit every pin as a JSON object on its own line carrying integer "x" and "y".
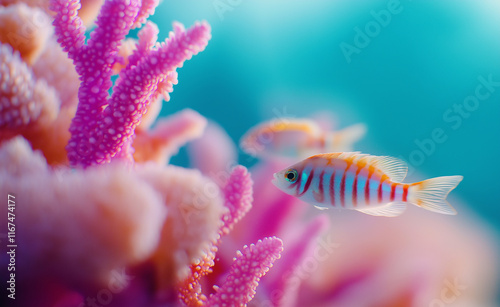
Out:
{"x": 395, "y": 168}
{"x": 352, "y": 156}
{"x": 390, "y": 210}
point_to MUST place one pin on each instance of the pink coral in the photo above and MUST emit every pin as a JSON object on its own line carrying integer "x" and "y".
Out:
{"x": 214, "y": 161}
{"x": 238, "y": 198}
{"x": 249, "y": 265}
{"x": 164, "y": 140}
{"x": 245, "y": 273}
{"x": 102, "y": 128}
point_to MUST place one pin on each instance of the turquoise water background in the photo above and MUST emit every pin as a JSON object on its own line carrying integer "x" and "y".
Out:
{"x": 274, "y": 58}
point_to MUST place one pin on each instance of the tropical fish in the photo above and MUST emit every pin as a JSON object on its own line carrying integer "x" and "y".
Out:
{"x": 369, "y": 184}
{"x": 297, "y": 138}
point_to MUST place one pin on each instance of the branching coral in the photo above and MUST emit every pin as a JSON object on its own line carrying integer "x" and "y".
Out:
{"x": 101, "y": 127}
{"x": 249, "y": 265}
{"x": 245, "y": 273}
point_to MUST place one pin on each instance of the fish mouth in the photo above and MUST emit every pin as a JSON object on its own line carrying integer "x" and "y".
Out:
{"x": 275, "y": 179}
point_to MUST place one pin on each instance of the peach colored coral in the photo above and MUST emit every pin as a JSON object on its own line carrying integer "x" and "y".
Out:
{"x": 88, "y": 11}
{"x": 25, "y": 102}
{"x": 26, "y": 29}
{"x": 195, "y": 208}
{"x": 67, "y": 216}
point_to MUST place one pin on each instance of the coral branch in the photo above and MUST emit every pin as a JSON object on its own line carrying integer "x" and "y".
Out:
{"x": 238, "y": 197}
{"x": 168, "y": 136}
{"x": 148, "y": 37}
{"x": 147, "y": 8}
{"x": 69, "y": 27}
{"x": 213, "y": 160}
{"x": 250, "y": 265}
{"x": 132, "y": 96}
{"x": 281, "y": 278}
{"x": 102, "y": 128}
{"x": 238, "y": 201}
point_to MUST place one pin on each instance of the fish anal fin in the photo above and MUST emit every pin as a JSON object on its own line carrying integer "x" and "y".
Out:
{"x": 390, "y": 210}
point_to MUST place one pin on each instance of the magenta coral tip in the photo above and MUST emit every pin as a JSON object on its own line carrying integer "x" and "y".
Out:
{"x": 250, "y": 265}
{"x": 238, "y": 197}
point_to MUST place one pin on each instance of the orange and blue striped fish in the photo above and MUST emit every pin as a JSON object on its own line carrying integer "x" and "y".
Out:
{"x": 369, "y": 184}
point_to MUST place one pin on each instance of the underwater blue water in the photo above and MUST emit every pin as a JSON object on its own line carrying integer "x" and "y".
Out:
{"x": 274, "y": 58}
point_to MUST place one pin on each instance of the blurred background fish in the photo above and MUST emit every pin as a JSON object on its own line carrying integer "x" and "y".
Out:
{"x": 298, "y": 138}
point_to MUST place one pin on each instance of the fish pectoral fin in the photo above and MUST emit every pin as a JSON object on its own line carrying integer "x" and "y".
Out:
{"x": 321, "y": 208}
{"x": 389, "y": 210}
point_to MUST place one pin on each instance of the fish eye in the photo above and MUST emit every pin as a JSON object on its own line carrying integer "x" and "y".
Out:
{"x": 291, "y": 175}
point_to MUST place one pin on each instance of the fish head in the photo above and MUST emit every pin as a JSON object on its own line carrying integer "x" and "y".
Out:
{"x": 288, "y": 179}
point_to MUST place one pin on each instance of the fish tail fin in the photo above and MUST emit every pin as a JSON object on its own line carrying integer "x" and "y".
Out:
{"x": 344, "y": 139}
{"x": 431, "y": 194}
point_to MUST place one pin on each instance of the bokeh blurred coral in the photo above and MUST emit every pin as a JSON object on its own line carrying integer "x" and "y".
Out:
{"x": 103, "y": 218}
{"x": 104, "y": 205}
